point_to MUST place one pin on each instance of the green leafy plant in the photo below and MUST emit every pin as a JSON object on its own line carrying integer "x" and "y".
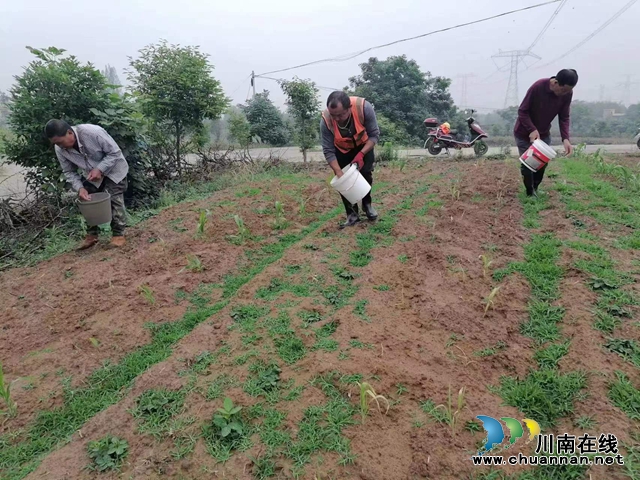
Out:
{"x": 228, "y": 420}
{"x": 5, "y": 394}
{"x": 107, "y": 453}
{"x": 147, "y": 293}
{"x": 368, "y": 394}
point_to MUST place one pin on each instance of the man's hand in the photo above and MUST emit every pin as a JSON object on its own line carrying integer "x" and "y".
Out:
{"x": 533, "y": 136}
{"x": 83, "y": 194}
{"x": 94, "y": 175}
{"x": 568, "y": 148}
{"x": 359, "y": 160}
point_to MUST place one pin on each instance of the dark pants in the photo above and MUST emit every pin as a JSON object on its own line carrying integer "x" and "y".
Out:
{"x": 118, "y": 212}
{"x": 530, "y": 179}
{"x": 344, "y": 159}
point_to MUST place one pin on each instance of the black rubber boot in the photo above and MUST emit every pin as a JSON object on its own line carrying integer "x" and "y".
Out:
{"x": 353, "y": 217}
{"x": 369, "y": 211}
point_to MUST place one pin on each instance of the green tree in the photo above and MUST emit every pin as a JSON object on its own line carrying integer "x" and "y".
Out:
{"x": 266, "y": 120}
{"x": 4, "y": 109}
{"x": 390, "y": 132}
{"x": 111, "y": 74}
{"x": 177, "y": 92}
{"x": 239, "y": 128}
{"x": 402, "y": 92}
{"x": 509, "y": 115}
{"x": 304, "y": 108}
{"x": 52, "y": 86}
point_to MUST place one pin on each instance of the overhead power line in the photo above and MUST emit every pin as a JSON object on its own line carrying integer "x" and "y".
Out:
{"x": 284, "y": 79}
{"x": 594, "y": 33}
{"x": 548, "y": 24}
{"x": 350, "y": 56}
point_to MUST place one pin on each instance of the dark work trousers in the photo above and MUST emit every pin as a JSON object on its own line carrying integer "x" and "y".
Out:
{"x": 530, "y": 179}
{"x": 118, "y": 212}
{"x": 344, "y": 159}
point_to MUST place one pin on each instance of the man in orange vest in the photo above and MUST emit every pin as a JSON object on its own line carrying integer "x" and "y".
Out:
{"x": 349, "y": 131}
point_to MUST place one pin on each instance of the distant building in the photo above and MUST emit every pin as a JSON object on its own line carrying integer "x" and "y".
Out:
{"x": 611, "y": 113}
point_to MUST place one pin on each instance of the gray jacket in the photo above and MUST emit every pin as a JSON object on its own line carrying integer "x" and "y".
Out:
{"x": 97, "y": 150}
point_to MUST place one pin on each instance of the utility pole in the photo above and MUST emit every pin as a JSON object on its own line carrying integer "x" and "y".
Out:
{"x": 253, "y": 82}
{"x": 463, "y": 97}
{"x": 515, "y": 57}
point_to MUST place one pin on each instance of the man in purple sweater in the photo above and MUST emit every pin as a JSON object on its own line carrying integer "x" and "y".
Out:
{"x": 546, "y": 99}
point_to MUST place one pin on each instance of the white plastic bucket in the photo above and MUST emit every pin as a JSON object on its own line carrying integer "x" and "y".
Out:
{"x": 97, "y": 210}
{"x": 351, "y": 185}
{"x": 537, "y": 155}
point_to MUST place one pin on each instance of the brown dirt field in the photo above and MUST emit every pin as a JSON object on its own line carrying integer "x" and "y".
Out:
{"x": 420, "y": 332}
{"x": 51, "y": 311}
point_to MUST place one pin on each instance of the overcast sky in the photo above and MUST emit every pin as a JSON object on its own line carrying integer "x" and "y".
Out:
{"x": 245, "y": 35}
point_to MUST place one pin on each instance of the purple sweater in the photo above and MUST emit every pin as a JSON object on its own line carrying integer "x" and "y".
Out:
{"x": 538, "y": 109}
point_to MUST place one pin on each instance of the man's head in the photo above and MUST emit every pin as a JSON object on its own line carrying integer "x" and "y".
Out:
{"x": 60, "y": 133}
{"x": 564, "y": 81}
{"x": 339, "y": 105}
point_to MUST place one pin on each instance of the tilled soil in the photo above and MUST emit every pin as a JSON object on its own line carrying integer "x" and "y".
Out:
{"x": 422, "y": 317}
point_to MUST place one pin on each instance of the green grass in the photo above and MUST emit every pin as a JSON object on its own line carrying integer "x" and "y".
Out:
{"x": 548, "y": 358}
{"x": 542, "y": 325}
{"x": 155, "y": 408}
{"x": 544, "y": 395}
{"x": 492, "y": 350}
{"x": 219, "y": 386}
{"x": 625, "y": 396}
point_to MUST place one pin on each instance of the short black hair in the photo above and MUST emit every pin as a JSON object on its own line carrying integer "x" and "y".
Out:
{"x": 56, "y": 128}
{"x": 568, "y": 76}
{"x": 338, "y": 97}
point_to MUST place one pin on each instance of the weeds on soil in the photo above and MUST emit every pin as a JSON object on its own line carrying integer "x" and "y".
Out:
{"x": 194, "y": 264}
{"x": 5, "y": 394}
{"x": 147, "y": 293}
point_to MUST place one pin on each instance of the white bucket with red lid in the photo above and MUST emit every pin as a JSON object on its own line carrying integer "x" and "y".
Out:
{"x": 537, "y": 156}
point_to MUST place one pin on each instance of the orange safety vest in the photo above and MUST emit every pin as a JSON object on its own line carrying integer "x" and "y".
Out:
{"x": 346, "y": 144}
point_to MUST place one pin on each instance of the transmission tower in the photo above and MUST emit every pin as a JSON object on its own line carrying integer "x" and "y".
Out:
{"x": 626, "y": 90}
{"x": 601, "y": 93}
{"x": 464, "y": 77}
{"x": 516, "y": 57}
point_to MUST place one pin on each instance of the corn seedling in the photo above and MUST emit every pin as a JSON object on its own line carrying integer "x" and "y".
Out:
{"x": 489, "y": 301}
{"x": 5, "y": 394}
{"x": 280, "y": 221}
{"x": 451, "y": 415}
{"x": 194, "y": 264}
{"x": 202, "y": 222}
{"x": 367, "y": 393}
{"x": 243, "y": 231}
{"x": 147, "y": 293}
{"x": 455, "y": 192}
{"x": 486, "y": 265}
